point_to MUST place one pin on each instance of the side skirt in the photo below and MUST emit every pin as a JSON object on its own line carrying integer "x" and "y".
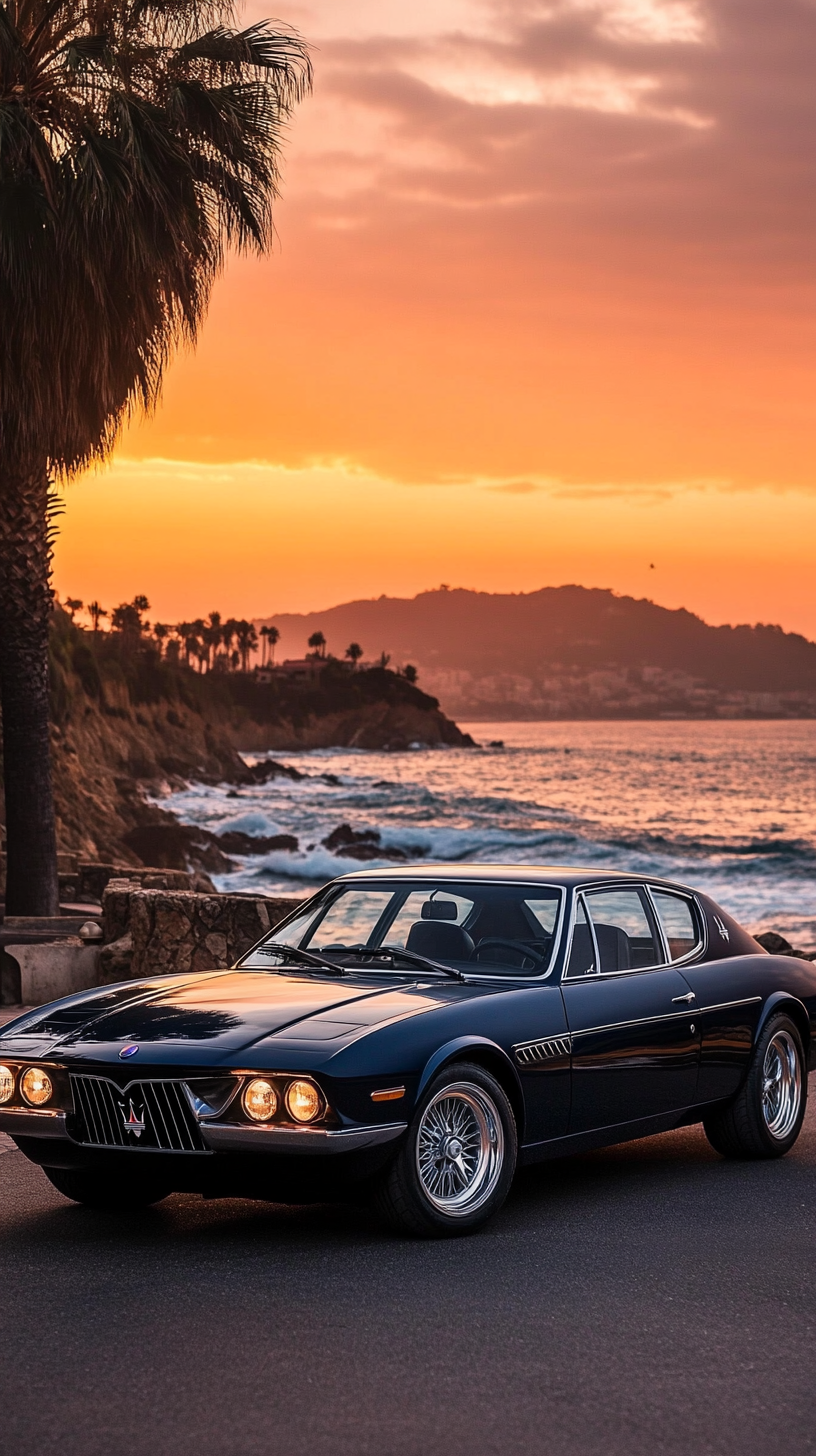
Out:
{"x": 607, "y": 1137}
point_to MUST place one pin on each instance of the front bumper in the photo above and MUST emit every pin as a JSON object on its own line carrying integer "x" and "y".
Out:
{"x": 221, "y": 1137}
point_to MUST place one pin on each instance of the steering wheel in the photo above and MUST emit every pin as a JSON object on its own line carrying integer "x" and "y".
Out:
{"x": 522, "y": 947}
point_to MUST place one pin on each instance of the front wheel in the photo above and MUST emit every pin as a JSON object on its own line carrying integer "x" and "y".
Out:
{"x": 457, "y": 1163}
{"x": 96, "y": 1190}
{"x": 765, "y": 1118}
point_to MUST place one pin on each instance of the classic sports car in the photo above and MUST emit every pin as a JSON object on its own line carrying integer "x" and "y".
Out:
{"x": 414, "y": 1035}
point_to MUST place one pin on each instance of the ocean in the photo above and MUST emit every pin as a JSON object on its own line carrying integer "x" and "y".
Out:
{"x": 727, "y": 806}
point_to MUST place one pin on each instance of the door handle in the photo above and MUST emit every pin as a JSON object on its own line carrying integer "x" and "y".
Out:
{"x": 689, "y": 997}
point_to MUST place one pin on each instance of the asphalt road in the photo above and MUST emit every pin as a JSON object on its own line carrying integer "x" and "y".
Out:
{"x": 648, "y": 1299}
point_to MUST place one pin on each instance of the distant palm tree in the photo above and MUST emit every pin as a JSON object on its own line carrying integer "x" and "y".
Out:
{"x": 273, "y": 637}
{"x": 317, "y": 642}
{"x": 95, "y": 612}
{"x": 228, "y": 632}
{"x": 354, "y": 651}
{"x": 136, "y": 144}
{"x": 247, "y": 642}
{"x": 73, "y": 605}
{"x": 160, "y": 631}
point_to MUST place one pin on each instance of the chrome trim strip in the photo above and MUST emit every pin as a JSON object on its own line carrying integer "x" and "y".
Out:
{"x": 319, "y": 1140}
{"x": 670, "y": 1016}
{"x": 25, "y": 1122}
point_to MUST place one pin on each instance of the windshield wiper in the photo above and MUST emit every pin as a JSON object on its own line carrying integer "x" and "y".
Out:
{"x": 395, "y": 953}
{"x": 303, "y": 957}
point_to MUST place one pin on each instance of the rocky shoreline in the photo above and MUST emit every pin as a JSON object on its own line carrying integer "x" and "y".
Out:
{"x": 127, "y": 728}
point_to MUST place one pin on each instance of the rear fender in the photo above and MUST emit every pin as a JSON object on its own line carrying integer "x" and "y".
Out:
{"x": 485, "y": 1053}
{"x": 784, "y": 1001}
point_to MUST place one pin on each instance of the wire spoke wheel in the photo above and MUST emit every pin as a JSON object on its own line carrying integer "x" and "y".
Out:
{"x": 781, "y": 1085}
{"x": 459, "y": 1149}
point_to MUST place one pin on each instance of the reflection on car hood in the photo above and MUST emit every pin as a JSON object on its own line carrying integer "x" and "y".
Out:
{"x": 225, "y": 1010}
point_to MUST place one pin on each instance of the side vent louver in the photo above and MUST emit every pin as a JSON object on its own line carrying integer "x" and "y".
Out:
{"x": 533, "y": 1053}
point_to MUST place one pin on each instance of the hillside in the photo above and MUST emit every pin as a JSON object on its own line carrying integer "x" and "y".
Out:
{"x": 127, "y": 722}
{"x": 573, "y": 652}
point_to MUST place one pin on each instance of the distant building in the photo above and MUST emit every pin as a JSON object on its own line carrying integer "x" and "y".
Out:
{"x": 294, "y": 669}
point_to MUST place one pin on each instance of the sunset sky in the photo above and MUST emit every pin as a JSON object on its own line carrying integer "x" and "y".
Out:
{"x": 542, "y": 309}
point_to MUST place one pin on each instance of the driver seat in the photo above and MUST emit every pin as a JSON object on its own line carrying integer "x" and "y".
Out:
{"x": 440, "y": 941}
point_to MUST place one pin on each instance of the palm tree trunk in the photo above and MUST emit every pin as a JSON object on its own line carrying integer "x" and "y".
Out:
{"x": 32, "y": 886}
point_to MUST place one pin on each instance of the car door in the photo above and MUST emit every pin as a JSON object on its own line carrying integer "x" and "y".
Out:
{"x": 725, "y": 990}
{"x": 635, "y": 1043}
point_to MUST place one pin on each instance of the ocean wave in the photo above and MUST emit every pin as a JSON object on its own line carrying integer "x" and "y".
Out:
{"x": 734, "y": 814}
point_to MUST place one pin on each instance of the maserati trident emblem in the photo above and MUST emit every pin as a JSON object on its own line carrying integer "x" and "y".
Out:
{"x": 722, "y": 927}
{"x": 133, "y": 1122}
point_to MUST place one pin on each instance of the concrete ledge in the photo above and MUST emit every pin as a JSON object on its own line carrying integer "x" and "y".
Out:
{"x": 54, "y": 969}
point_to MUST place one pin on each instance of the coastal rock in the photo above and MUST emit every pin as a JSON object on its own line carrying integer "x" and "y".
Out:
{"x": 177, "y": 847}
{"x": 234, "y": 841}
{"x": 366, "y": 844}
{"x": 776, "y": 944}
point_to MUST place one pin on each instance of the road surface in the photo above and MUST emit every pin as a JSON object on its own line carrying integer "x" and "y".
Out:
{"x": 648, "y": 1299}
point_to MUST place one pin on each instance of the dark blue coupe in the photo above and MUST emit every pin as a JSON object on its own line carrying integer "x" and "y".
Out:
{"x": 412, "y": 1037}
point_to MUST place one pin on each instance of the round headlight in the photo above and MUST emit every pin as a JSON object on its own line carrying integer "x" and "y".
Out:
{"x": 36, "y": 1086}
{"x": 6, "y": 1084}
{"x": 260, "y": 1100}
{"x": 302, "y": 1101}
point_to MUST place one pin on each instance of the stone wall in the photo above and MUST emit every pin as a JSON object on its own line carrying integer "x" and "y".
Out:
{"x": 160, "y": 932}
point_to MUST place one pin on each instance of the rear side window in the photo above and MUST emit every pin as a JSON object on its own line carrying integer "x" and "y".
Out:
{"x": 679, "y": 923}
{"x": 623, "y": 930}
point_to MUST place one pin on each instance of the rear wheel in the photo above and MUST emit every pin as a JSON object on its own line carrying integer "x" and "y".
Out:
{"x": 99, "y": 1190}
{"x": 457, "y": 1163}
{"x": 765, "y": 1118}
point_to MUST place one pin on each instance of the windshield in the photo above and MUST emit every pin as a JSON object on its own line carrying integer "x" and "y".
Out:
{"x": 489, "y": 929}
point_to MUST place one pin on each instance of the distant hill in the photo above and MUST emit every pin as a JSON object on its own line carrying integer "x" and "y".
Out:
{"x": 572, "y": 652}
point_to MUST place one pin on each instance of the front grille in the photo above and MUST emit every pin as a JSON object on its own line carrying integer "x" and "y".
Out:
{"x": 145, "y": 1115}
{"x": 535, "y": 1052}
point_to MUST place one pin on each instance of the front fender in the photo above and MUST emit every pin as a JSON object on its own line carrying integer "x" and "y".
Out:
{"x": 479, "y": 1044}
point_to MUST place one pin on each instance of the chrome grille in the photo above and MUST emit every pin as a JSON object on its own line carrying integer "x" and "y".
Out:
{"x": 535, "y": 1052}
{"x": 152, "y": 1115}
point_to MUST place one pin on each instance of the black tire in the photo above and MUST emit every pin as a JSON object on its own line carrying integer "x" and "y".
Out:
{"x": 100, "y": 1190}
{"x": 442, "y": 1184}
{"x": 765, "y": 1118}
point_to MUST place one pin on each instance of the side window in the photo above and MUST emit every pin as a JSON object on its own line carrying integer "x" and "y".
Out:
{"x": 679, "y": 924}
{"x": 582, "y": 951}
{"x": 623, "y": 930}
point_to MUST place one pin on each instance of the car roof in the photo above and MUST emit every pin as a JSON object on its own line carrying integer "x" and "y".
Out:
{"x": 566, "y": 875}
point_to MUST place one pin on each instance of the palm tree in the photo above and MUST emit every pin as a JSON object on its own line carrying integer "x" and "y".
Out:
{"x": 137, "y": 141}
{"x": 263, "y": 633}
{"x": 317, "y": 642}
{"x": 95, "y": 612}
{"x": 273, "y": 638}
{"x": 73, "y": 605}
{"x": 354, "y": 652}
{"x": 247, "y": 642}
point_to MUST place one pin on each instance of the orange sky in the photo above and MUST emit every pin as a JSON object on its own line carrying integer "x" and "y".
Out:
{"x": 542, "y": 310}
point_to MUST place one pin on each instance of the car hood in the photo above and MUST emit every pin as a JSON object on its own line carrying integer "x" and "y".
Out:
{"x": 225, "y": 1012}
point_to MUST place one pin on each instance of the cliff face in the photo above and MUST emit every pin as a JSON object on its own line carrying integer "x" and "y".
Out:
{"x": 124, "y": 723}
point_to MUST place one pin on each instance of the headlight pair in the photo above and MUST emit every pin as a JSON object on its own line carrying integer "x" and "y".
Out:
{"x": 301, "y": 1100}
{"x": 35, "y": 1085}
